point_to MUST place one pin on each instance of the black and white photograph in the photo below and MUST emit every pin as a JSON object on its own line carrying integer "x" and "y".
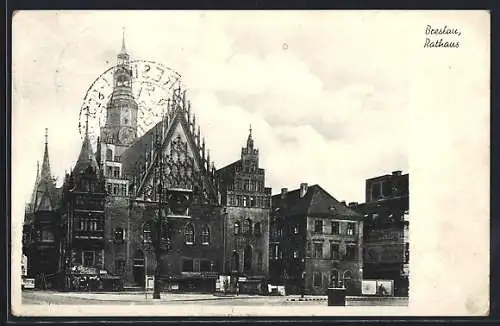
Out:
{"x": 260, "y": 163}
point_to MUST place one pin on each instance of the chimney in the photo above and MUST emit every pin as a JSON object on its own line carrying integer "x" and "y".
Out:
{"x": 283, "y": 192}
{"x": 396, "y": 173}
{"x": 303, "y": 189}
{"x": 353, "y": 204}
{"x": 343, "y": 203}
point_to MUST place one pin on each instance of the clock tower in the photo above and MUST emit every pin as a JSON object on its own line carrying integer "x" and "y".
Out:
{"x": 121, "y": 111}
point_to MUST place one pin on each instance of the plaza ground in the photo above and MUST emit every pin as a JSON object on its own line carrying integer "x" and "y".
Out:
{"x": 140, "y": 298}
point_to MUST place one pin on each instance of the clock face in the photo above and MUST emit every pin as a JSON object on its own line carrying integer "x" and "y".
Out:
{"x": 127, "y": 136}
{"x": 178, "y": 203}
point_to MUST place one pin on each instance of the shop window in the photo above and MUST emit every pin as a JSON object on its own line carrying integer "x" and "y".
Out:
{"x": 317, "y": 279}
{"x": 187, "y": 265}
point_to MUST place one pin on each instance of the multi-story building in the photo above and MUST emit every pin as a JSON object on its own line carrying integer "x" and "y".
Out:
{"x": 386, "y": 223}
{"x": 82, "y": 213}
{"x": 112, "y": 201}
{"x": 41, "y": 229}
{"x": 246, "y": 221}
{"x": 316, "y": 242}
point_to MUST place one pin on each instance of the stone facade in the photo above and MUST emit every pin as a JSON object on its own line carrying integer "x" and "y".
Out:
{"x": 316, "y": 242}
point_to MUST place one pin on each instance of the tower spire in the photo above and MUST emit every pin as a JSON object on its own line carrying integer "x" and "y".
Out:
{"x": 250, "y": 140}
{"x": 45, "y": 172}
{"x": 124, "y": 49}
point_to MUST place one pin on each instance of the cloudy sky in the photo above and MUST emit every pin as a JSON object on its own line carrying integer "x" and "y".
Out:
{"x": 327, "y": 102}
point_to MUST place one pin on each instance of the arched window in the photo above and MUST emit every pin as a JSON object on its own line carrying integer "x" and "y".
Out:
{"x": 247, "y": 259}
{"x": 109, "y": 154}
{"x": 235, "y": 262}
{"x": 257, "y": 229}
{"x": 247, "y": 226}
{"x": 189, "y": 234}
{"x": 237, "y": 228}
{"x": 119, "y": 234}
{"x": 347, "y": 279}
{"x": 205, "y": 235}
{"x": 334, "y": 279}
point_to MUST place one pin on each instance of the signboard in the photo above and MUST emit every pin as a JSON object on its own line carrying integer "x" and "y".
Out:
{"x": 28, "y": 283}
{"x": 368, "y": 287}
{"x": 150, "y": 282}
{"x": 384, "y": 288}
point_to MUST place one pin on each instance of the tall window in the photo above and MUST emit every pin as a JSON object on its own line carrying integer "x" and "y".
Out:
{"x": 123, "y": 190}
{"x": 351, "y": 228}
{"x": 237, "y": 228}
{"x": 296, "y": 229}
{"x": 259, "y": 261}
{"x": 247, "y": 226}
{"x": 335, "y": 228}
{"x": 205, "y": 235}
{"x": 347, "y": 279}
{"x": 88, "y": 258}
{"x": 334, "y": 251}
{"x": 407, "y": 253}
{"x": 257, "y": 229}
{"x": 318, "y": 250}
{"x": 317, "y": 278}
{"x": 109, "y": 155}
{"x": 350, "y": 252}
{"x": 318, "y": 226}
{"x": 334, "y": 280}
{"x": 119, "y": 266}
{"x": 235, "y": 261}
{"x": 247, "y": 259}
{"x": 146, "y": 232}
{"x": 189, "y": 234}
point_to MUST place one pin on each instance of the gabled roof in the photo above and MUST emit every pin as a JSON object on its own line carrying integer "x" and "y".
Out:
{"x": 316, "y": 202}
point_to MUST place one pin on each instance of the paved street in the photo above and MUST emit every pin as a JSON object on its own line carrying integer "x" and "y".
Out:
{"x": 64, "y": 298}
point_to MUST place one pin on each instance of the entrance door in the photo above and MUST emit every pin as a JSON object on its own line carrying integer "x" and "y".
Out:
{"x": 139, "y": 268}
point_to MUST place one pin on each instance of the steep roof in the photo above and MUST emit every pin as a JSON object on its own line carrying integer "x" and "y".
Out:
{"x": 46, "y": 191}
{"x": 316, "y": 202}
{"x": 86, "y": 157}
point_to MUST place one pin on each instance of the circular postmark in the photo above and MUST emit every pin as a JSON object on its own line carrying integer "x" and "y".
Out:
{"x": 152, "y": 85}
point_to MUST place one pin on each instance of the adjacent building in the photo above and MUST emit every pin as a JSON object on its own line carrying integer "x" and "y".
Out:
{"x": 315, "y": 242}
{"x": 247, "y": 205}
{"x": 386, "y": 225}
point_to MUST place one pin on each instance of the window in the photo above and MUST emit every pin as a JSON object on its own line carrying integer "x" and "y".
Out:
{"x": 247, "y": 258}
{"x": 120, "y": 267}
{"x": 237, "y": 228}
{"x": 351, "y": 227}
{"x": 334, "y": 251}
{"x": 123, "y": 190}
{"x": 118, "y": 158}
{"x": 119, "y": 234}
{"x": 109, "y": 155}
{"x": 276, "y": 252}
{"x": 109, "y": 188}
{"x": 47, "y": 235}
{"x": 235, "y": 261}
{"x": 244, "y": 201}
{"x": 376, "y": 191}
{"x": 295, "y": 254}
{"x": 205, "y": 235}
{"x": 334, "y": 279}
{"x": 257, "y": 229}
{"x": 147, "y": 232}
{"x": 260, "y": 261}
{"x": 205, "y": 266}
{"x": 335, "y": 228}
{"x": 296, "y": 229}
{"x": 247, "y": 226}
{"x": 318, "y": 250}
{"x": 347, "y": 279}
{"x": 317, "y": 278}
{"x": 189, "y": 234}
{"x": 187, "y": 265}
{"x": 116, "y": 172}
{"x": 115, "y": 189}
{"x": 350, "y": 252}
{"x": 88, "y": 258}
{"x": 318, "y": 226}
